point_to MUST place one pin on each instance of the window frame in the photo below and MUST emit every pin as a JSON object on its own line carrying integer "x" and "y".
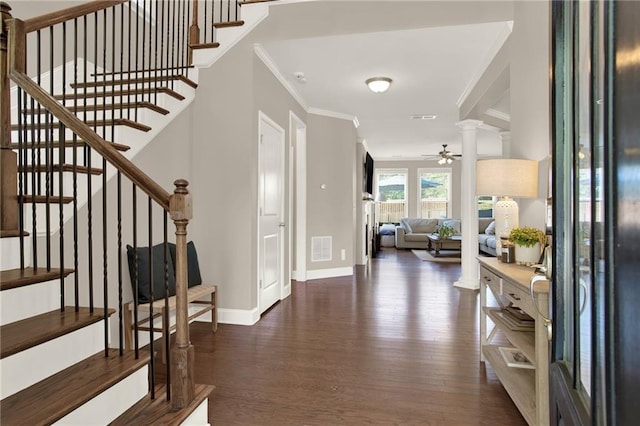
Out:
{"x": 443, "y": 170}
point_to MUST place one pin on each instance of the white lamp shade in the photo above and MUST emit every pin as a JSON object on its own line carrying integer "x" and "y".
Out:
{"x": 507, "y": 177}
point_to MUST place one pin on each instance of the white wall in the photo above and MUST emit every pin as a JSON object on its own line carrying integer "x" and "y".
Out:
{"x": 530, "y": 99}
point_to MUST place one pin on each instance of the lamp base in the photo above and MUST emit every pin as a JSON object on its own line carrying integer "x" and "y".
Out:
{"x": 506, "y": 217}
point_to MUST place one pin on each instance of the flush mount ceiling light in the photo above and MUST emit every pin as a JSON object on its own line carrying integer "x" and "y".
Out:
{"x": 378, "y": 84}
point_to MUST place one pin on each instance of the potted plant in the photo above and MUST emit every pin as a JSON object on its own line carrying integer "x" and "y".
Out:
{"x": 445, "y": 231}
{"x": 529, "y": 243}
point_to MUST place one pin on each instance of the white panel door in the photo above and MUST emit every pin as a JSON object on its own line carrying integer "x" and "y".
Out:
{"x": 271, "y": 218}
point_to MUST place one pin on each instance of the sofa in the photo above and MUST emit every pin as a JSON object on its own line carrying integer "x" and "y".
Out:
{"x": 412, "y": 233}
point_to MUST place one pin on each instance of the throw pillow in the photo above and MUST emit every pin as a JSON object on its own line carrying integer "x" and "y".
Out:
{"x": 140, "y": 260}
{"x": 193, "y": 267}
{"x": 454, "y": 223}
{"x": 491, "y": 229}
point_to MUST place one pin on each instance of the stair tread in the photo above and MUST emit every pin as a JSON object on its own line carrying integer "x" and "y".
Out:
{"x": 205, "y": 45}
{"x": 27, "y": 333}
{"x": 64, "y": 167}
{"x": 12, "y": 233}
{"x": 114, "y": 93}
{"x": 107, "y": 107}
{"x": 158, "y": 411}
{"x": 51, "y": 199}
{"x": 140, "y": 80}
{"x": 228, "y": 24}
{"x": 90, "y": 123}
{"x": 68, "y": 144}
{"x": 56, "y": 396}
{"x": 14, "y": 278}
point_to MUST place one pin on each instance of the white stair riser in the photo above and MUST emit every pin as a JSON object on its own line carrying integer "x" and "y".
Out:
{"x": 10, "y": 253}
{"x": 23, "y": 369}
{"x": 106, "y": 407}
{"x": 24, "y": 302}
{"x": 200, "y": 416}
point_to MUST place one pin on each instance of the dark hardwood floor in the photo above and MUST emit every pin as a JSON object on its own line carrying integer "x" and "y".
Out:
{"x": 396, "y": 344}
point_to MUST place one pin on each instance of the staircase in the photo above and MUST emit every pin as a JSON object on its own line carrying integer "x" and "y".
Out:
{"x": 83, "y": 91}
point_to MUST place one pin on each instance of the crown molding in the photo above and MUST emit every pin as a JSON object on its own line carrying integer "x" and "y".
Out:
{"x": 498, "y": 114}
{"x": 332, "y": 114}
{"x": 493, "y": 51}
{"x": 266, "y": 59}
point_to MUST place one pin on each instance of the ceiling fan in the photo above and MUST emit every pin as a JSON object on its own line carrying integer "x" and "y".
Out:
{"x": 445, "y": 156}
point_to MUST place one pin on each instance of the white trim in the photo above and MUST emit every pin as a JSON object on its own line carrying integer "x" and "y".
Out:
{"x": 469, "y": 285}
{"x": 390, "y": 170}
{"x": 235, "y": 316}
{"x": 317, "y": 274}
{"x": 332, "y": 114}
{"x": 491, "y": 53}
{"x": 266, "y": 59}
{"x": 270, "y": 64}
{"x": 498, "y": 114}
{"x": 301, "y": 195}
{"x": 264, "y": 118}
{"x": 447, "y": 170}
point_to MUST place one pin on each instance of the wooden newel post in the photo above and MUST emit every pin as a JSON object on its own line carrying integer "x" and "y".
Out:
{"x": 182, "y": 352}
{"x": 194, "y": 31}
{"x": 8, "y": 158}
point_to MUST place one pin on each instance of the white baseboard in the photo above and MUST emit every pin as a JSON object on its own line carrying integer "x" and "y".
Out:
{"x": 469, "y": 285}
{"x": 234, "y": 316}
{"x": 315, "y": 274}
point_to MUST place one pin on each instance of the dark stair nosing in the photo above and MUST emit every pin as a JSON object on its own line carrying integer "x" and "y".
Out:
{"x": 68, "y": 144}
{"x": 213, "y": 45}
{"x": 107, "y": 107}
{"x": 97, "y": 74}
{"x": 115, "y": 93}
{"x": 29, "y": 332}
{"x": 158, "y": 411}
{"x": 56, "y": 396}
{"x": 12, "y": 233}
{"x": 241, "y": 3}
{"x": 228, "y": 24}
{"x": 14, "y": 278}
{"x": 90, "y": 123}
{"x": 50, "y": 199}
{"x": 141, "y": 80}
{"x": 64, "y": 168}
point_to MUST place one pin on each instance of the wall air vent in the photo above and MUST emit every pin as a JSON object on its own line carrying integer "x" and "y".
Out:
{"x": 424, "y": 117}
{"x": 321, "y": 249}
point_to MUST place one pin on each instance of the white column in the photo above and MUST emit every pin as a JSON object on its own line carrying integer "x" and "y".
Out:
{"x": 469, "y": 219}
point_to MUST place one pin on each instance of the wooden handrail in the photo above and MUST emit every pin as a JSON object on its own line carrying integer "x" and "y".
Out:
{"x": 50, "y": 19}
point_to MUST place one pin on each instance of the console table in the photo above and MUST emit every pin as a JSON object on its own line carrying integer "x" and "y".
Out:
{"x": 509, "y": 284}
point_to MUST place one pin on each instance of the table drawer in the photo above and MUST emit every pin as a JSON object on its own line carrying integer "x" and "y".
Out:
{"x": 519, "y": 296}
{"x": 489, "y": 278}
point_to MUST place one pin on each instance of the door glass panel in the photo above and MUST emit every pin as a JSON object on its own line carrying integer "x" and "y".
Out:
{"x": 583, "y": 270}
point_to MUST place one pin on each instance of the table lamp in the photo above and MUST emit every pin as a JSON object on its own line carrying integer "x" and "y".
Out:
{"x": 506, "y": 178}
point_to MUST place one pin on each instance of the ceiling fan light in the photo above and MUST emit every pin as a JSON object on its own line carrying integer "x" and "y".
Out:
{"x": 449, "y": 160}
{"x": 378, "y": 84}
{"x": 442, "y": 161}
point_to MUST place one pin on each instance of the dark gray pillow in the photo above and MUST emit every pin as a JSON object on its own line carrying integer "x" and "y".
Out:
{"x": 193, "y": 268}
{"x": 141, "y": 256}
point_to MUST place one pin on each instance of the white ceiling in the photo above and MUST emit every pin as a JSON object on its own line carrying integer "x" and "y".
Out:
{"x": 433, "y": 51}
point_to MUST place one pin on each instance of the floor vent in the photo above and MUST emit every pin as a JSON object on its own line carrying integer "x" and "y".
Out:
{"x": 321, "y": 249}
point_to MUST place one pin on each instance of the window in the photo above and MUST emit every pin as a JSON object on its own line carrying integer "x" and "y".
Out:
{"x": 485, "y": 205}
{"x": 434, "y": 193}
{"x": 391, "y": 191}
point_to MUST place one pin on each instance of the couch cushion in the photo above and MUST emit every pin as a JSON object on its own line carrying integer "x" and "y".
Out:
{"x": 419, "y": 225}
{"x": 416, "y": 238}
{"x": 482, "y": 238}
{"x": 491, "y": 242}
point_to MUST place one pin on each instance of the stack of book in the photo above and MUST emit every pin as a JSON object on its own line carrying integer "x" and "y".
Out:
{"x": 516, "y": 319}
